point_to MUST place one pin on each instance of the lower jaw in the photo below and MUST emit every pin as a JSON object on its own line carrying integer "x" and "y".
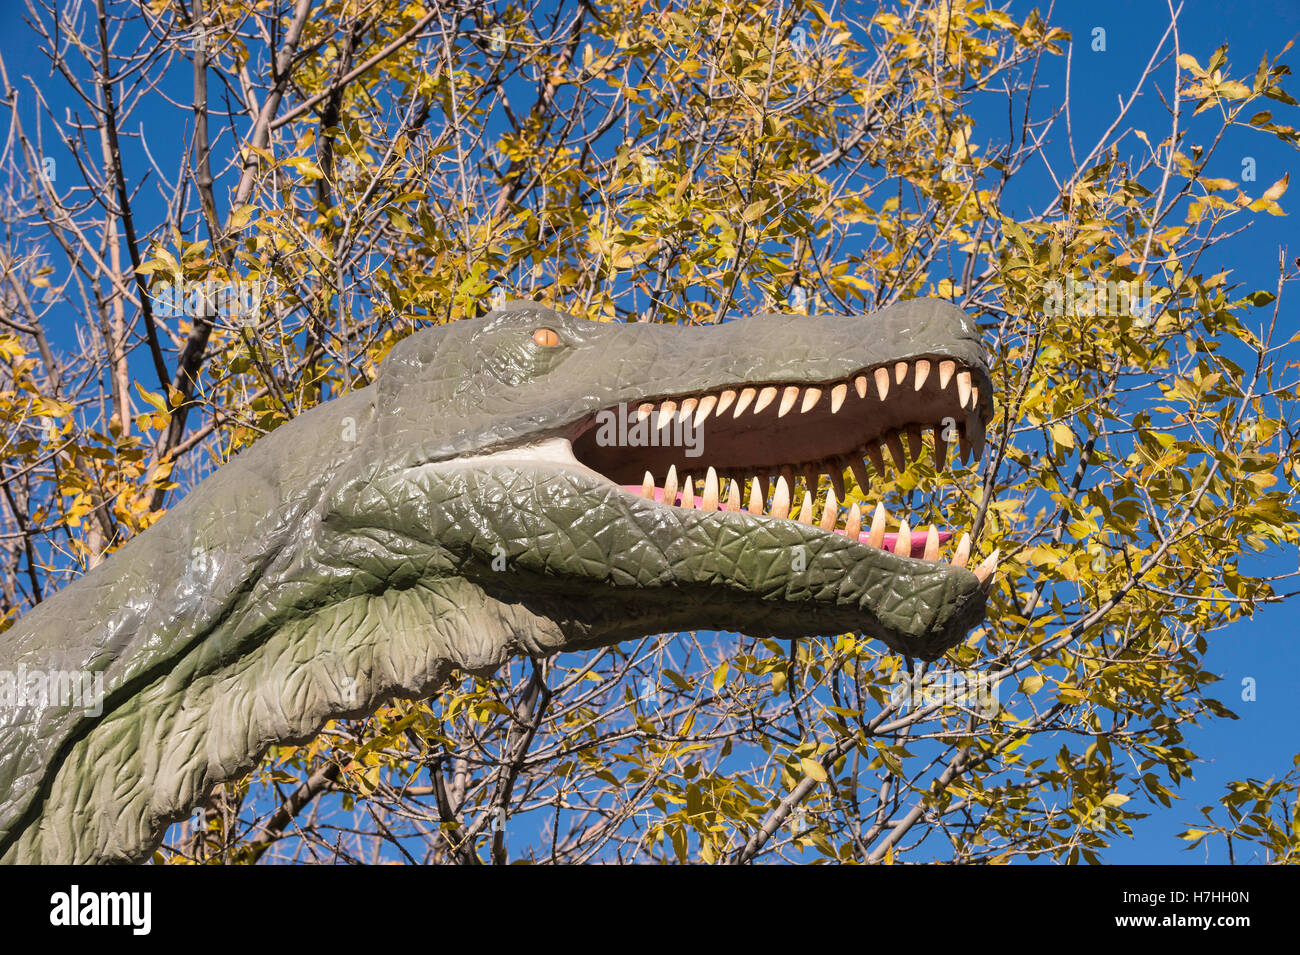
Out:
{"x": 890, "y": 542}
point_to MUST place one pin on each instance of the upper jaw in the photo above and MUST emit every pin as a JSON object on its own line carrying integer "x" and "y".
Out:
{"x": 804, "y": 426}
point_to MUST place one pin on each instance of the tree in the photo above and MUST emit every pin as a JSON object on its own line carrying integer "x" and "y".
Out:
{"x": 253, "y": 204}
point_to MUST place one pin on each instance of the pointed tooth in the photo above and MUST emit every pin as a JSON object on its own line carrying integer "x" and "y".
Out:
{"x": 835, "y": 471}
{"x": 710, "y": 491}
{"x": 946, "y": 368}
{"x": 882, "y": 383}
{"x": 733, "y": 496}
{"x": 914, "y": 441}
{"x": 811, "y": 477}
{"x": 806, "y": 510}
{"x": 644, "y": 411}
{"x": 666, "y": 411}
{"x": 688, "y": 493}
{"x": 755, "y": 498}
{"x": 830, "y": 511}
{"x": 746, "y": 396}
{"x": 878, "y": 520}
{"x": 781, "y": 498}
{"x": 788, "y": 398}
{"x": 963, "y": 388}
{"x": 838, "y": 394}
{"x": 765, "y": 398}
{"x": 860, "y": 385}
{"x": 724, "y": 400}
{"x": 877, "y": 459}
{"x": 922, "y": 373}
{"x": 787, "y": 472}
{"x": 963, "y": 443}
{"x": 763, "y": 482}
{"x": 974, "y": 397}
{"x": 931, "y": 544}
{"x": 859, "y": 469}
{"x": 895, "y": 444}
{"x": 900, "y": 372}
{"x": 975, "y": 428}
{"x": 810, "y": 398}
{"x": 670, "y": 485}
{"x": 963, "y": 551}
{"x": 687, "y": 410}
{"x": 707, "y": 404}
{"x": 648, "y": 486}
{"x": 903, "y": 542}
{"x": 940, "y": 450}
{"x": 853, "y": 526}
{"x": 985, "y": 570}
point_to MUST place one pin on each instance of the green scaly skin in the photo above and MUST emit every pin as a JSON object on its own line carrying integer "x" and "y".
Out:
{"x": 355, "y": 556}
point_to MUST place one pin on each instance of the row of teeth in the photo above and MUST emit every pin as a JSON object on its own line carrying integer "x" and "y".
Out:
{"x": 970, "y": 434}
{"x": 711, "y": 500}
{"x": 757, "y": 400}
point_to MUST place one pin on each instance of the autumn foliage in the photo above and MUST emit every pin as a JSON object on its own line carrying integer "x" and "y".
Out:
{"x": 255, "y": 201}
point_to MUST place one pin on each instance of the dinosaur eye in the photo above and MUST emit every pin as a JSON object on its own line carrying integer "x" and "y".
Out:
{"x": 546, "y": 338}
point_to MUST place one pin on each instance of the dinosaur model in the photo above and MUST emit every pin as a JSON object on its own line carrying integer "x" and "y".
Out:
{"x": 476, "y": 502}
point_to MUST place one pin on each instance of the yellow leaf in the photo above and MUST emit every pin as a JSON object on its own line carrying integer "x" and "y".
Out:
{"x": 1275, "y": 191}
{"x": 153, "y": 399}
{"x": 240, "y": 218}
{"x": 1062, "y": 436}
{"x": 306, "y": 168}
{"x": 813, "y": 769}
{"x": 720, "y": 676}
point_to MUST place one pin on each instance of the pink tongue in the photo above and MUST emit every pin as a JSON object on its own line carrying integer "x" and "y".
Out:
{"x": 918, "y": 537}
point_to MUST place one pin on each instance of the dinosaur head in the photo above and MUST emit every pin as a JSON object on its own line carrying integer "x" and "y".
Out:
{"x": 624, "y": 479}
{"x": 522, "y": 481}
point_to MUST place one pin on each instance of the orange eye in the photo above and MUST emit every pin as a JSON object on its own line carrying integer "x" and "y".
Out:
{"x": 546, "y": 338}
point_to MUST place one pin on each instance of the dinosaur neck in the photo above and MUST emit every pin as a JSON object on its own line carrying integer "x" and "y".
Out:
{"x": 174, "y": 629}
{"x": 158, "y": 755}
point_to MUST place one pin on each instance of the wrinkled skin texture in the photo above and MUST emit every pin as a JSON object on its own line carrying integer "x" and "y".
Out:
{"x": 347, "y": 559}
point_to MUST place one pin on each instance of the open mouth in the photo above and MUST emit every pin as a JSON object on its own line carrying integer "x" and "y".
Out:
{"x": 764, "y": 448}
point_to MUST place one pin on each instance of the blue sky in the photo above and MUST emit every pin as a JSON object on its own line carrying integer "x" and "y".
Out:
{"x": 1264, "y": 740}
